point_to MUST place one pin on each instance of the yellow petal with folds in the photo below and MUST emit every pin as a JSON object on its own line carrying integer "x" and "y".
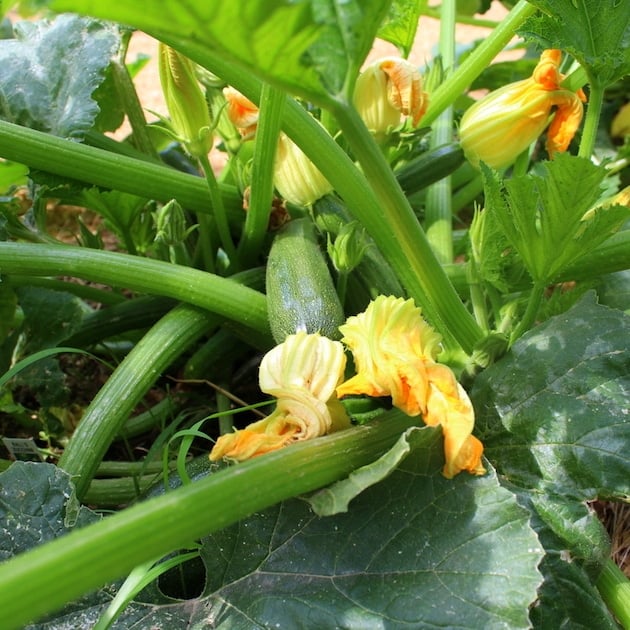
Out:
{"x": 241, "y": 111}
{"x": 308, "y": 361}
{"x": 404, "y": 88}
{"x": 391, "y": 344}
{"x": 302, "y": 373}
{"x": 257, "y": 439}
{"x": 448, "y": 405}
{"x": 387, "y": 88}
{"x": 500, "y": 126}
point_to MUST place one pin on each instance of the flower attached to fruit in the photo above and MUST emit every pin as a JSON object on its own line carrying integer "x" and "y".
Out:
{"x": 302, "y": 373}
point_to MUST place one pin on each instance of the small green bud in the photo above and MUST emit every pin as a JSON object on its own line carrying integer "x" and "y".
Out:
{"x": 348, "y": 248}
{"x": 187, "y": 107}
{"x": 170, "y": 224}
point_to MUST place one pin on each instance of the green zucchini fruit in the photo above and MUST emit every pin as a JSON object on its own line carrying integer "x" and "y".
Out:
{"x": 300, "y": 290}
{"x": 429, "y": 167}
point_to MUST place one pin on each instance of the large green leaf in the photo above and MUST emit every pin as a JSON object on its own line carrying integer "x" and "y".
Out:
{"x": 595, "y": 32}
{"x": 49, "y": 72}
{"x": 553, "y": 413}
{"x": 416, "y": 550}
{"x": 37, "y": 503}
{"x": 311, "y": 47}
{"x": 553, "y": 416}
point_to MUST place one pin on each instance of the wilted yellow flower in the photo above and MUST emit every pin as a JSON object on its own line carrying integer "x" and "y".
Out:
{"x": 302, "y": 373}
{"x": 500, "y": 126}
{"x": 295, "y": 177}
{"x": 386, "y": 89}
{"x": 187, "y": 107}
{"x": 391, "y": 345}
{"x": 449, "y": 406}
{"x": 395, "y": 354}
{"x": 241, "y": 111}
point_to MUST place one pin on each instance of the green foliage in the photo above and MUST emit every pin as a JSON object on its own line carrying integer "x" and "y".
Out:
{"x": 553, "y": 218}
{"x": 399, "y": 545}
{"x": 49, "y": 72}
{"x": 37, "y": 504}
{"x": 312, "y": 48}
{"x": 401, "y": 24}
{"x": 595, "y": 32}
{"x": 553, "y": 418}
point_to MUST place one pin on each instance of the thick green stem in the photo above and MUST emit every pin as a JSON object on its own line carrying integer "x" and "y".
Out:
{"x": 257, "y": 219}
{"x": 395, "y": 229}
{"x": 477, "y": 61}
{"x": 438, "y": 221}
{"x": 614, "y": 587}
{"x": 45, "y": 578}
{"x": 529, "y": 317}
{"x": 222, "y": 296}
{"x": 133, "y": 108}
{"x": 108, "y": 411}
{"x": 591, "y": 120}
{"x": 102, "y": 168}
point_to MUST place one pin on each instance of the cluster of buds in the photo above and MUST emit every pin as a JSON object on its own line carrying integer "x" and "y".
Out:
{"x": 394, "y": 352}
{"x": 500, "y": 126}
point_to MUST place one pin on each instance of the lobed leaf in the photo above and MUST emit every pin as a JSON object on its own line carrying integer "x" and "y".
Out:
{"x": 552, "y": 218}
{"x": 415, "y": 550}
{"x": 313, "y": 48}
{"x": 49, "y": 72}
{"x": 595, "y": 32}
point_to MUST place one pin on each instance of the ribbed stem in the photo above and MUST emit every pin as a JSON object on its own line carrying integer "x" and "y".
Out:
{"x": 110, "y": 408}
{"x": 45, "y": 578}
{"x": 102, "y": 168}
{"x": 219, "y": 295}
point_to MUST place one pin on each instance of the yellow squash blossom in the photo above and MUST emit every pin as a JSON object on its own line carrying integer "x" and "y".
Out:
{"x": 500, "y": 126}
{"x": 391, "y": 345}
{"x": 395, "y": 354}
{"x": 295, "y": 177}
{"x": 303, "y": 373}
{"x": 386, "y": 89}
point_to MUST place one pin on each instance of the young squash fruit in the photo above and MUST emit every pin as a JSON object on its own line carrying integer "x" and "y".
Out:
{"x": 300, "y": 290}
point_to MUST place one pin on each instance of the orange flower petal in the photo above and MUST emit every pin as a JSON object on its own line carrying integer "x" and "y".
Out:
{"x": 405, "y": 88}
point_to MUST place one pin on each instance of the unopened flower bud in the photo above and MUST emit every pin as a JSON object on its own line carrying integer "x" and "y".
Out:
{"x": 187, "y": 107}
{"x": 296, "y": 178}
{"x": 500, "y": 126}
{"x": 348, "y": 248}
{"x": 387, "y": 89}
{"x": 170, "y": 224}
